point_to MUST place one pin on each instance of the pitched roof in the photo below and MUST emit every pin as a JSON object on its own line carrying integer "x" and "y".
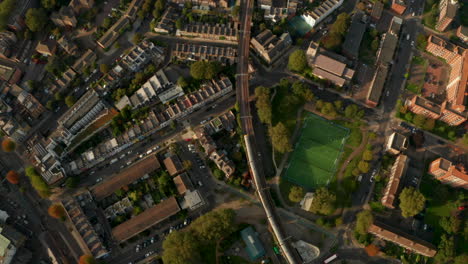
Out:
{"x": 145, "y": 220}
{"x": 126, "y": 177}
{"x": 173, "y": 165}
{"x": 393, "y": 185}
{"x": 182, "y": 183}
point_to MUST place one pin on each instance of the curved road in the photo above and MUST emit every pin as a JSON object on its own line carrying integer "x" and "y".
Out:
{"x": 243, "y": 95}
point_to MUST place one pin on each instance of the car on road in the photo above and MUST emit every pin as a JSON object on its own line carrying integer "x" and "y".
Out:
{"x": 412, "y": 43}
{"x": 200, "y": 183}
{"x": 149, "y": 152}
{"x": 98, "y": 180}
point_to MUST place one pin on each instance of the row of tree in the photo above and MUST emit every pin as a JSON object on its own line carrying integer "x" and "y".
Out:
{"x": 205, "y": 70}
{"x": 183, "y": 247}
{"x": 38, "y": 182}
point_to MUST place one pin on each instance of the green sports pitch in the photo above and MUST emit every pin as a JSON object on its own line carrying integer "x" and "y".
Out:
{"x": 317, "y": 153}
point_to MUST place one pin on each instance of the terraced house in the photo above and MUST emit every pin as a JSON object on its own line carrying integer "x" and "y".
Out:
{"x": 212, "y": 32}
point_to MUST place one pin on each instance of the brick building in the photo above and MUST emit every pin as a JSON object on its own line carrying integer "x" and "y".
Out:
{"x": 211, "y": 32}
{"x": 393, "y": 186}
{"x": 399, "y": 6}
{"x": 449, "y": 173}
{"x": 447, "y": 13}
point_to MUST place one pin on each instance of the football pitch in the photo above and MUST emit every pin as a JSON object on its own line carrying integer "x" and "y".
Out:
{"x": 317, "y": 153}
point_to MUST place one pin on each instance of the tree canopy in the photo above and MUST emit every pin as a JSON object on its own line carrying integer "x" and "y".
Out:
{"x": 263, "y": 104}
{"x": 56, "y": 211}
{"x": 70, "y": 100}
{"x": 183, "y": 247}
{"x": 204, "y": 70}
{"x": 323, "y": 202}
{"x": 297, "y": 61}
{"x": 363, "y": 220}
{"x": 411, "y": 202}
{"x": 6, "y": 6}
{"x": 446, "y": 250}
{"x": 87, "y": 259}
{"x": 280, "y": 138}
{"x": 36, "y": 19}
{"x": 104, "y": 68}
{"x": 12, "y": 177}
{"x": 37, "y": 182}
{"x": 451, "y": 224}
{"x": 296, "y": 194}
{"x": 302, "y": 90}
{"x": 8, "y": 145}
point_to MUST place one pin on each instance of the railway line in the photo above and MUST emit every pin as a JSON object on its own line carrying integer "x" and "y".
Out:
{"x": 243, "y": 95}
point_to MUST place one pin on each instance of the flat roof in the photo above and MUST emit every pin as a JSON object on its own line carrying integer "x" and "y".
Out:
{"x": 125, "y": 177}
{"x": 329, "y": 64}
{"x": 145, "y": 220}
{"x": 329, "y": 76}
{"x": 354, "y": 35}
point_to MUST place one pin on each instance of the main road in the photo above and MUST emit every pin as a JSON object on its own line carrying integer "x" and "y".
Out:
{"x": 243, "y": 98}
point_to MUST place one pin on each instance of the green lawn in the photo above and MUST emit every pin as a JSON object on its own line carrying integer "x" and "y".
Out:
{"x": 316, "y": 155}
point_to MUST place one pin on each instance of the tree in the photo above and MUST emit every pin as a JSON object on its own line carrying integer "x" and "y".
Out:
{"x": 182, "y": 82}
{"x": 419, "y": 120}
{"x": 181, "y": 248}
{"x": 12, "y": 177}
{"x": 58, "y": 96}
{"x": 56, "y": 211}
{"x": 179, "y": 23}
{"x": 421, "y": 42}
{"x": 411, "y": 202}
{"x": 361, "y": 6}
{"x": 332, "y": 41}
{"x": 323, "y": 202}
{"x": 219, "y": 174}
{"x": 235, "y": 11}
{"x": 363, "y": 166}
{"x": 341, "y": 24}
{"x": 214, "y": 225}
{"x": 367, "y": 155}
{"x": 36, "y": 19}
{"x": 429, "y": 124}
{"x": 137, "y": 210}
{"x": 37, "y": 182}
{"x": 159, "y": 5}
{"x": 451, "y": 224}
{"x": 187, "y": 164}
{"x": 446, "y": 250}
{"x": 48, "y": 4}
{"x": 350, "y": 111}
{"x": 137, "y": 38}
{"x": 87, "y": 259}
{"x": 70, "y": 100}
{"x": 280, "y": 138}
{"x": 104, "y": 68}
{"x": 363, "y": 220}
{"x": 338, "y": 105}
{"x": 263, "y": 104}
{"x": 462, "y": 259}
{"x": 51, "y": 105}
{"x": 204, "y": 70}
{"x": 328, "y": 109}
{"x": 8, "y": 145}
{"x": 72, "y": 182}
{"x": 296, "y": 194}
{"x": 297, "y": 61}
{"x": 107, "y": 22}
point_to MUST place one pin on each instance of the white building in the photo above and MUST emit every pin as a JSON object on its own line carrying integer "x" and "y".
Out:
{"x": 321, "y": 12}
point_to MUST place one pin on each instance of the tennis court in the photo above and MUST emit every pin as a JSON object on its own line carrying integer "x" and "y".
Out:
{"x": 299, "y": 26}
{"x": 317, "y": 153}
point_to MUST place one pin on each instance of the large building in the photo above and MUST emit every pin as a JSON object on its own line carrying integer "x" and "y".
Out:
{"x": 449, "y": 173}
{"x": 84, "y": 112}
{"x": 10, "y": 73}
{"x": 158, "y": 86}
{"x": 141, "y": 54}
{"x": 393, "y": 186}
{"x": 319, "y": 13}
{"x": 403, "y": 239}
{"x": 447, "y": 13}
{"x": 196, "y": 52}
{"x": 453, "y": 109}
{"x": 326, "y": 67}
{"x": 354, "y": 36}
{"x": 396, "y": 143}
{"x": 269, "y": 47}
{"x": 10, "y": 242}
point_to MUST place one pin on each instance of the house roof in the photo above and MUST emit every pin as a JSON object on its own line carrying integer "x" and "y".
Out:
{"x": 145, "y": 220}
{"x": 408, "y": 241}
{"x": 46, "y": 47}
{"x": 399, "y": 141}
{"x": 182, "y": 183}
{"x": 173, "y": 165}
{"x": 125, "y": 177}
{"x": 377, "y": 84}
{"x": 377, "y": 10}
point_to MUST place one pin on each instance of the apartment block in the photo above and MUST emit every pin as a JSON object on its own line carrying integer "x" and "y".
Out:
{"x": 321, "y": 12}
{"x": 196, "y": 52}
{"x": 354, "y": 36}
{"x": 9, "y": 73}
{"x": 429, "y": 109}
{"x": 447, "y": 13}
{"x": 209, "y": 32}
{"x": 31, "y": 104}
{"x": 403, "y": 239}
{"x": 326, "y": 67}
{"x": 448, "y": 173}
{"x": 393, "y": 186}
{"x": 84, "y": 112}
{"x": 269, "y": 47}
{"x": 46, "y": 154}
{"x": 399, "y": 6}
{"x": 142, "y": 54}
{"x": 158, "y": 86}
